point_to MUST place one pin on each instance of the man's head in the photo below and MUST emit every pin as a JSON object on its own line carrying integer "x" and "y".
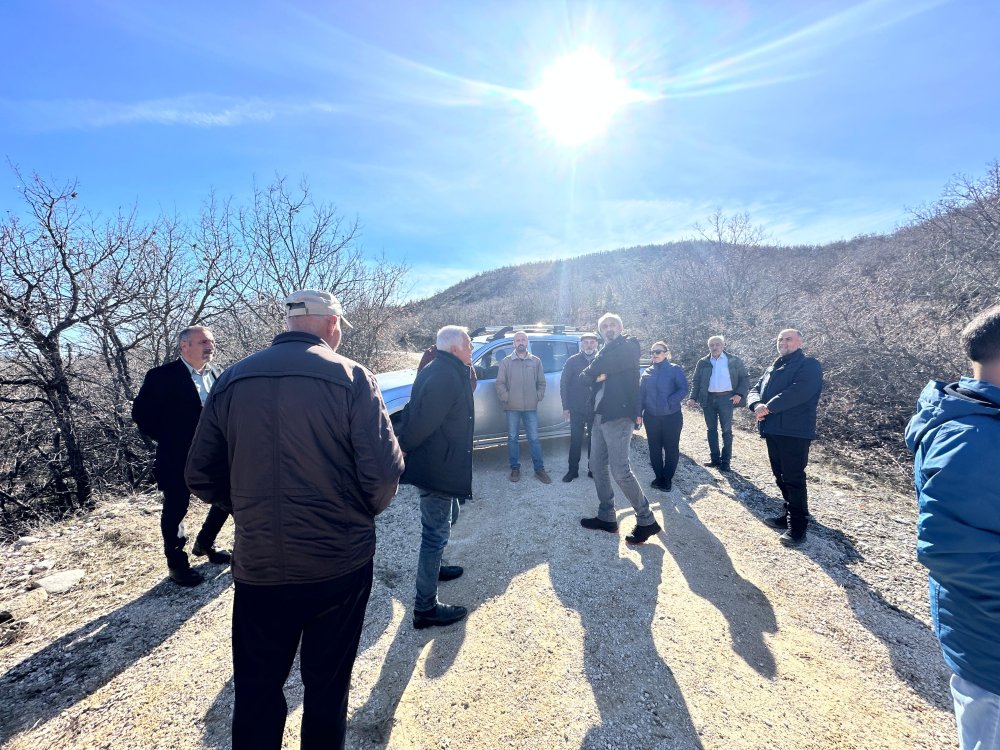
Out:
{"x": 588, "y": 343}
{"x": 317, "y": 312}
{"x": 610, "y": 326}
{"x": 716, "y": 345}
{"x": 981, "y": 341}
{"x": 521, "y": 342}
{"x": 197, "y": 345}
{"x": 455, "y": 339}
{"x": 789, "y": 340}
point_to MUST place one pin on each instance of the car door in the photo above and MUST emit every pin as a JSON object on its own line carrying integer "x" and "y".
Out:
{"x": 491, "y": 420}
{"x": 553, "y": 355}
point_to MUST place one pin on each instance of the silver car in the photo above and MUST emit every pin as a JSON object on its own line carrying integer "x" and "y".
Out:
{"x": 551, "y": 344}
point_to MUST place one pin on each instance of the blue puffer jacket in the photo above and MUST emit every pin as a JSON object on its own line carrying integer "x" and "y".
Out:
{"x": 955, "y": 439}
{"x": 790, "y": 389}
{"x": 662, "y": 389}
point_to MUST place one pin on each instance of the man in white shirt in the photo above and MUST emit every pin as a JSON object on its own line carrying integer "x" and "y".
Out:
{"x": 167, "y": 409}
{"x": 720, "y": 382}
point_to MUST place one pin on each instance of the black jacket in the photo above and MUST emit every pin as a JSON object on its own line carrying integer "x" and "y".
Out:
{"x": 167, "y": 409}
{"x": 790, "y": 388}
{"x": 437, "y": 427}
{"x": 619, "y": 360}
{"x": 577, "y": 395}
{"x": 297, "y": 443}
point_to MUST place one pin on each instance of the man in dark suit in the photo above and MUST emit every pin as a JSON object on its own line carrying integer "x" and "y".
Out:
{"x": 784, "y": 402}
{"x": 167, "y": 409}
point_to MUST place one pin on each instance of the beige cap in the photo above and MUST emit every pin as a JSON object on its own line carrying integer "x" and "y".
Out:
{"x": 315, "y": 302}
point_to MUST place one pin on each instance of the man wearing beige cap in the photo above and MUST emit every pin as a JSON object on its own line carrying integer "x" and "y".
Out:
{"x": 297, "y": 442}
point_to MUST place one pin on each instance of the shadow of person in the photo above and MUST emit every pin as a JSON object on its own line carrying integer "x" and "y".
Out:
{"x": 709, "y": 572}
{"x": 639, "y": 700}
{"x": 904, "y": 636}
{"x": 79, "y": 663}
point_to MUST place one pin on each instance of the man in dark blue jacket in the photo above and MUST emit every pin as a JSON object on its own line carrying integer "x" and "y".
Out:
{"x": 436, "y": 435}
{"x": 784, "y": 402}
{"x": 614, "y": 375}
{"x": 578, "y": 402}
{"x": 955, "y": 438}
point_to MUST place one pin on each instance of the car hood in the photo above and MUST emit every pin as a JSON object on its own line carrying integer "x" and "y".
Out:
{"x": 388, "y": 381}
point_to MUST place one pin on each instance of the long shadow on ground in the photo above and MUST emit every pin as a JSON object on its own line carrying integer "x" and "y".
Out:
{"x": 80, "y": 663}
{"x": 902, "y": 633}
{"x": 507, "y": 549}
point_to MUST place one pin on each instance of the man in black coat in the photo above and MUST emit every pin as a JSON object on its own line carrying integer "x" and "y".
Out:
{"x": 436, "y": 436}
{"x": 167, "y": 409}
{"x": 578, "y": 402}
{"x": 614, "y": 375}
{"x": 784, "y": 402}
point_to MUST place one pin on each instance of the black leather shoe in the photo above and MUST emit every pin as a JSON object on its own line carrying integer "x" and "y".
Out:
{"x": 714, "y": 464}
{"x": 184, "y": 576}
{"x": 724, "y": 468}
{"x": 777, "y": 522}
{"x": 569, "y": 476}
{"x": 642, "y": 533}
{"x": 442, "y": 614}
{"x": 215, "y": 556}
{"x": 596, "y": 524}
{"x": 793, "y": 538}
{"x": 450, "y": 572}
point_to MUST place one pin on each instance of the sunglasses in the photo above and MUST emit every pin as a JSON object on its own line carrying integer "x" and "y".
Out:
{"x": 654, "y": 352}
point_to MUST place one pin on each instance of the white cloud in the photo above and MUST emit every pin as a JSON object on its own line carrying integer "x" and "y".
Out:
{"x": 192, "y": 111}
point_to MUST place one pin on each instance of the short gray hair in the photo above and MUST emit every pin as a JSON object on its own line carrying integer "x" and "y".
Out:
{"x": 188, "y": 332}
{"x": 717, "y": 337}
{"x": 609, "y": 316}
{"x": 451, "y": 337}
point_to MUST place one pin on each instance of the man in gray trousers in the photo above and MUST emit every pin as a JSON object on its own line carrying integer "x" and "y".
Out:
{"x": 614, "y": 374}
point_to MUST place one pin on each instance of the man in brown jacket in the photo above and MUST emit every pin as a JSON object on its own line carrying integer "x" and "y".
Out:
{"x": 296, "y": 442}
{"x": 520, "y": 386}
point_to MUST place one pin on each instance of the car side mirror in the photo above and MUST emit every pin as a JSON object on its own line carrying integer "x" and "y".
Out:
{"x": 486, "y": 373}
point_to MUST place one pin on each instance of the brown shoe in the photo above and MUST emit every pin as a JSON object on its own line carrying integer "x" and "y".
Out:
{"x": 543, "y": 476}
{"x": 515, "y": 475}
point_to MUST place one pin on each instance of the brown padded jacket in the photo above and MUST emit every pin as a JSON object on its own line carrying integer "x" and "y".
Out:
{"x": 296, "y": 441}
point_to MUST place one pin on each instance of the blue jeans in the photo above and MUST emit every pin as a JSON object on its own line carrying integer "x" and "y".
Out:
{"x": 531, "y": 432}
{"x": 718, "y": 411}
{"x": 977, "y": 712}
{"x": 437, "y": 514}
{"x": 609, "y": 458}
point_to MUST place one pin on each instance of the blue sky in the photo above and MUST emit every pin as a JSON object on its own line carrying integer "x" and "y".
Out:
{"x": 822, "y": 119}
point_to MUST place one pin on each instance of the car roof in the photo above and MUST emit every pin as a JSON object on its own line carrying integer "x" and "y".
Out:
{"x": 536, "y": 331}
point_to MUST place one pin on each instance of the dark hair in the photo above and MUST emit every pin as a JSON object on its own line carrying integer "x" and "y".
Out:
{"x": 981, "y": 337}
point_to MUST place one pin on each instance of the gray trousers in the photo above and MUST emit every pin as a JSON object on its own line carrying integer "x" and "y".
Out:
{"x": 609, "y": 458}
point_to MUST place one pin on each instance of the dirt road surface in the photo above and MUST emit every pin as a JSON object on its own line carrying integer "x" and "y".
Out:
{"x": 711, "y": 635}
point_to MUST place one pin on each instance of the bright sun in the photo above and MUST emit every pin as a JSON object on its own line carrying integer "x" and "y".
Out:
{"x": 578, "y": 96}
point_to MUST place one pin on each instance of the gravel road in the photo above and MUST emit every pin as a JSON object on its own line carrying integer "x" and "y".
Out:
{"x": 711, "y": 635}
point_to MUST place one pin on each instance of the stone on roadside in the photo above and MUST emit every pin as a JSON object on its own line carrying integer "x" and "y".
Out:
{"x": 24, "y": 541}
{"x": 41, "y": 567}
{"x": 59, "y": 583}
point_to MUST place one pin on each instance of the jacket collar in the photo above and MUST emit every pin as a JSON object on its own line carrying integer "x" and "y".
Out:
{"x": 289, "y": 337}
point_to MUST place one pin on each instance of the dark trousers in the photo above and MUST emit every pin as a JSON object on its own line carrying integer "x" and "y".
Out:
{"x": 718, "y": 411}
{"x": 268, "y": 624}
{"x": 176, "y": 500}
{"x": 578, "y": 424}
{"x": 664, "y": 437}
{"x": 789, "y": 456}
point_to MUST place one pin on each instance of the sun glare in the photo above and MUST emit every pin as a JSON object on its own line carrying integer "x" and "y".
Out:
{"x": 578, "y": 96}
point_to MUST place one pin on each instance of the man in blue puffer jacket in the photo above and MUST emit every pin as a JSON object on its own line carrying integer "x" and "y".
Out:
{"x": 784, "y": 402}
{"x": 955, "y": 439}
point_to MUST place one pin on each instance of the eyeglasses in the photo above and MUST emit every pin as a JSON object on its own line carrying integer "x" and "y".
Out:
{"x": 654, "y": 352}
